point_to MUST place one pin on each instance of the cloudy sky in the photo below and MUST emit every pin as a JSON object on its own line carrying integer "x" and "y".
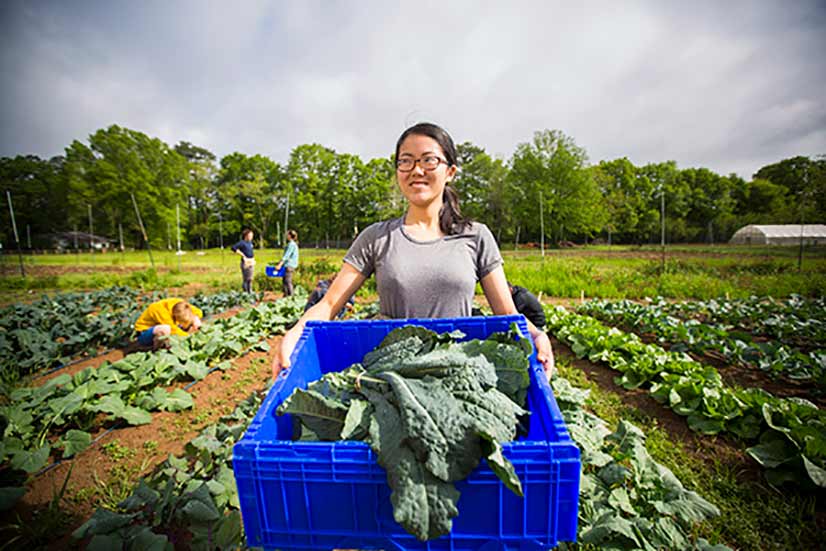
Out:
{"x": 731, "y": 86}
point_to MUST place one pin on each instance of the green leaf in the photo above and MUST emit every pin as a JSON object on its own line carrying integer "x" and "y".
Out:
{"x": 816, "y": 474}
{"x": 228, "y": 533}
{"x": 135, "y": 416}
{"x": 500, "y": 464}
{"x": 147, "y": 540}
{"x": 422, "y": 504}
{"x": 178, "y": 400}
{"x": 357, "y": 421}
{"x": 75, "y": 442}
{"x": 142, "y": 496}
{"x": 200, "y": 507}
{"x": 322, "y": 415}
{"x": 31, "y": 461}
{"x": 103, "y": 521}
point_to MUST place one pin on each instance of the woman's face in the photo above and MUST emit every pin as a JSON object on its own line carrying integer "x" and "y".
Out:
{"x": 419, "y": 186}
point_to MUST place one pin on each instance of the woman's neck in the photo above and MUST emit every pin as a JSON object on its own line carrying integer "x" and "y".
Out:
{"x": 423, "y": 222}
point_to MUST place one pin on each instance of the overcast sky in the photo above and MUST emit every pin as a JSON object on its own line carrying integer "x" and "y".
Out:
{"x": 730, "y": 86}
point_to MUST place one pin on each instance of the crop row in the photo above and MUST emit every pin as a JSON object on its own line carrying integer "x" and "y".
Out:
{"x": 738, "y": 347}
{"x": 53, "y": 330}
{"x": 789, "y": 435}
{"x": 796, "y": 319}
{"x": 60, "y": 415}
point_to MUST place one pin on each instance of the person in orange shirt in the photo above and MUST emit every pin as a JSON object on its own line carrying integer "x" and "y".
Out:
{"x": 170, "y": 316}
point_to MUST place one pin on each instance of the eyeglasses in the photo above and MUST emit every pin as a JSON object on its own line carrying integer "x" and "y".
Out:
{"x": 431, "y": 162}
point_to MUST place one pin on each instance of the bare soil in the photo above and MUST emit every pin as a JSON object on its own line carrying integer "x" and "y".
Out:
{"x": 113, "y": 465}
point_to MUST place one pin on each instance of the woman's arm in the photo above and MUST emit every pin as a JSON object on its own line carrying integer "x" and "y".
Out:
{"x": 499, "y": 297}
{"x": 346, "y": 283}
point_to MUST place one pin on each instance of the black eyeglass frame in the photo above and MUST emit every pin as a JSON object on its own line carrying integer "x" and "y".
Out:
{"x": 420, "y": 162}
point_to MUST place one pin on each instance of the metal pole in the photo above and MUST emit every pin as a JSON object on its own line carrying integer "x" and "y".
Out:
{"x": 77, "y": 253}
{"x": 800, "y": 250}
{"x": 662, "y": 224}
{"x": 28, "y": 238}
{"x": 143, "y": 230}
{"x": 168, "y": 241}
{"x": 120, "y": 235}
{"x": 178, "y": 224}
{"x": 541, "y": 226}
{"x": 91, "y": 231}
{"x": 16, "y": 237}
{"x": 287, "y": 215}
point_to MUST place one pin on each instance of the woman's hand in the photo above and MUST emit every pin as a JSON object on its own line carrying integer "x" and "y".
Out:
{"x": 281, "y": 360}
{"x": 544, "y": 353}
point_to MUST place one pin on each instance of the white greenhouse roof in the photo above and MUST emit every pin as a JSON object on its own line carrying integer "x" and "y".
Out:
{"x": 786, "y": 230}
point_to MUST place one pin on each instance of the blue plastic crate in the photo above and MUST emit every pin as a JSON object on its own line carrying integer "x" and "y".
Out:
{"x": 326, "y": 495}
{"x": 271, "y": 271}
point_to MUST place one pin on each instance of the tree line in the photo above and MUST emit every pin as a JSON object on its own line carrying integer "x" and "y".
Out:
{"x": 547, "y": 184}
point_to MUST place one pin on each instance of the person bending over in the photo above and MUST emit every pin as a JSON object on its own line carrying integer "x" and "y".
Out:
{"x": 170, "y": 316}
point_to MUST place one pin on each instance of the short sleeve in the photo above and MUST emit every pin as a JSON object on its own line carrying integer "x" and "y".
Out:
{"x": 488, "y": 257}
{"x": 361, "y": 254}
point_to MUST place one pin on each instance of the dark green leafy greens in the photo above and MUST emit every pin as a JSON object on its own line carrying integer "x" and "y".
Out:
{"x": 431, "y": 409}
{"x": 789, "y": 433}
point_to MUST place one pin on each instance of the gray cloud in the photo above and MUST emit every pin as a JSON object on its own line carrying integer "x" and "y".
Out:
{"x": 730, "y": 86}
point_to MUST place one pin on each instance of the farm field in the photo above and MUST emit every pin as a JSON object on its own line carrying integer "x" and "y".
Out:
{"x": 708, "y": 403}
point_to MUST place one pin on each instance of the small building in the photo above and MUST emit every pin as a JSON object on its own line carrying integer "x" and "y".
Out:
{"x": 82, "y": 240}
{"x": 786, "y": 234}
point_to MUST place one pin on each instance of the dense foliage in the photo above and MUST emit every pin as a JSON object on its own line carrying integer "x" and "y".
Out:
{"x": 627, "y": 500}
{"x": 53, "y": 330}
{"x": 59, "y": 417}
{"x": 333, "y": 195}
{"x": 56, "y": 329}
{"x": 733, "y": 342}
{"x": 788, "y": 436}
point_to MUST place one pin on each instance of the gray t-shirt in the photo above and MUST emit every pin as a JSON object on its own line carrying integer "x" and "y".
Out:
{"x": 424, "y": 279}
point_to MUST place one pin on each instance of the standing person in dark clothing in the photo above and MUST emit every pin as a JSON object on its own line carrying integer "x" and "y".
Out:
{"x": 528, "y": 305}
{"x": 244, "y": 248}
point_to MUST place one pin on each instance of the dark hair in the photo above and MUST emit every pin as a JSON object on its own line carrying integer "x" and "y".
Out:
{"x": 245, "y": 232}
{"x": 292, "y": 234}
{"x": 451, "y": 219}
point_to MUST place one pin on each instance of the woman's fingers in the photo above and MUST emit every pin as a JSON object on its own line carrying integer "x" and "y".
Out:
{"x": 545, "y": 354}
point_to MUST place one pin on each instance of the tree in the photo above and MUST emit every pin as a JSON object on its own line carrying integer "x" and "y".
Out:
{"x": 555, "y": 166}
{"x": 38, "y": 189}
{"x": 251, "y": 188}
{"x": 117, "y": 163}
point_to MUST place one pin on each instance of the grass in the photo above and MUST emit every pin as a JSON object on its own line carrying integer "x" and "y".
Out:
{"x": 691, "y": 272}
{"x": 753, "y": 515}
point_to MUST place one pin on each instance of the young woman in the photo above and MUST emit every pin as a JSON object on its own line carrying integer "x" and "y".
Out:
{"x": 289, "y": 261}
{"x": 428, "y": 261}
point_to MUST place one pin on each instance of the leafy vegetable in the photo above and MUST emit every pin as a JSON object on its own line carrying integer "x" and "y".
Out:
{"x": 430, "y": 409}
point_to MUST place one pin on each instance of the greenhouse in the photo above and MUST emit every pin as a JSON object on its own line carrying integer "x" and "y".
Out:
{"x": 786, "y": 234}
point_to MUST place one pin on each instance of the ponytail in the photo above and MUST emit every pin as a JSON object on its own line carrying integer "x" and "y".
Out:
{"x": 451, "y": 220}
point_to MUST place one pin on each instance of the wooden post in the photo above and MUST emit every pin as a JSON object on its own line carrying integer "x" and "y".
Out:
{"x": 16, "y": 237}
